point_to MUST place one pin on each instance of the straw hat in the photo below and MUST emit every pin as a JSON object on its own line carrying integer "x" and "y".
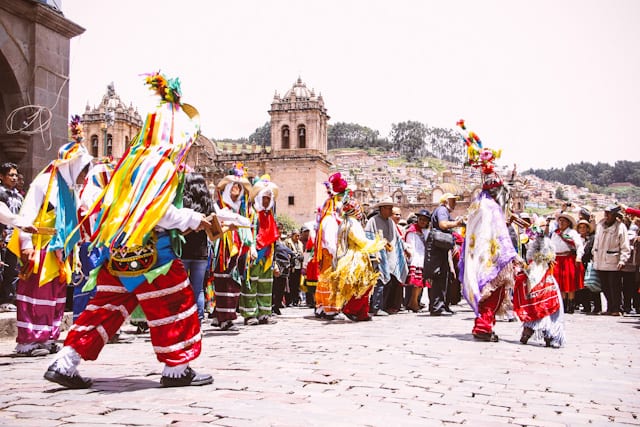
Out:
{"x": 387, "y": 201}
{"x": 263, "y": 183}
{"x": 234, "y": 178}
{"x": 569, "y": 218}
{"x": 588, "y": 224}
{"x": 447, "y": 196}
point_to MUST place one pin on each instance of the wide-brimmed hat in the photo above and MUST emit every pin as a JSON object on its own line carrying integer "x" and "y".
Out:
{"x": 569, "y": 218}
{"x": 423, "y": 212}
{"x": 263, "y": 183}
{"x": 387, "y": 201}
{"x": 447, "y": 196}
{"x": 234, "y": 178}
{"x": 584, "y": 221}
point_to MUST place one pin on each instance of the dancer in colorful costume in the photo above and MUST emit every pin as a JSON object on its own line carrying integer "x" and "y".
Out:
{"x": 230, "y": 252}
{"x": 97, "y": 180}
{"x": 537, "y": 300}
{"x": 138, "y": 213}
{"x": 326, "y": 245}
{"x": 486, "y": 263}
{"x": 256, "y": 293}
{"x": 51, "y": 205}
{"x": 354, "y": 275}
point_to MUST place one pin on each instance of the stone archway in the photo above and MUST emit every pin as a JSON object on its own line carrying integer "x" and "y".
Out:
{"x": 13, "y": 147}
{"x": 34, "y": 70}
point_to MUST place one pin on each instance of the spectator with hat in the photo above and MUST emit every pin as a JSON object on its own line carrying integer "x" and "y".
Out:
{"x": 415, "y": 236}
{"x": 441, "y": 220}
{"x": 569, "y": 250}
{"x": 610, "y": 253}
{"x": 584, "y": 295}
{"x": 297, "y": 247}
{"x": 387, "y": 294}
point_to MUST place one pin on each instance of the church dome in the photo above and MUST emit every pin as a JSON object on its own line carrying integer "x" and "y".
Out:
{"x": 300, "y": 92}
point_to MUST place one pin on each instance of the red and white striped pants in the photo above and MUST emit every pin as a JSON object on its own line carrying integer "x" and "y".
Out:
{"x": 168, "y": 303}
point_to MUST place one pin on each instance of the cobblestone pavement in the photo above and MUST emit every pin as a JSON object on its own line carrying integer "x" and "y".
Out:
{"x": 402, "y": 370}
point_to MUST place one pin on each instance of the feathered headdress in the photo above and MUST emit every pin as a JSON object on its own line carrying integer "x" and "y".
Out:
{"x": 477, "y": 155}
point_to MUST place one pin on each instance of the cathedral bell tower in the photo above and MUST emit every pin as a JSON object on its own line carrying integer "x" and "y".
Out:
{"x": 299, "y": 121}
{"x": 299, "y": 151}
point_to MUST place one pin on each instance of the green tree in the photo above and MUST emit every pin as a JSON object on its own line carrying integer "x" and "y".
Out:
{"x": 352, "y": 135}
{"x": 560, "y": 194}
{"x": 262, "y": 135}
{"x": 408, "y": 138}
{"x": 286, "y": 224}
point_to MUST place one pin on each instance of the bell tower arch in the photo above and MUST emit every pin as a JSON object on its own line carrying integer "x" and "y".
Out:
{"x": 299, "y": 121}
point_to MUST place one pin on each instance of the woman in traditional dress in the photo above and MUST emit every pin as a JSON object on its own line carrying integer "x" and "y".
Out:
{"x": 415, "y": 237}
{"x": 569, "y": 250}
{"x": 354, "y": 276}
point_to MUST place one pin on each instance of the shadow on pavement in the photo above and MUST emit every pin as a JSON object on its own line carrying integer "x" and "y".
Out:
{"x": 113, "y": 385}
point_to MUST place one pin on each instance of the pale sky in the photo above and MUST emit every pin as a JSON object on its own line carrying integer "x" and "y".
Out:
{"x": 548, "y": 82}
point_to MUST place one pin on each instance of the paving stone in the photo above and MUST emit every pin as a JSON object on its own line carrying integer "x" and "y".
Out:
{"x": 397, "y": 370}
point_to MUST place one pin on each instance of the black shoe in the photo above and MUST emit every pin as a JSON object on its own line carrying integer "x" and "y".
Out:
{"x": 526, "y": 334}
{"x": 448, "y": 310}
{"x": 228, "y": 326}
{"x": 120, "y": 339}
{"x": 68, "y": 381}
{"x": 267, "y": 320}
{"x": 486, "y": 336}
{"x": 188, "y": 378}
{"x": 276, "y": 310}
{"x": 436, "y": 313}
{"x": 352, "y": 317}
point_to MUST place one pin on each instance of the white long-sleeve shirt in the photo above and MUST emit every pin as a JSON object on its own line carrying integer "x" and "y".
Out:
{"x": 561, "y": 246}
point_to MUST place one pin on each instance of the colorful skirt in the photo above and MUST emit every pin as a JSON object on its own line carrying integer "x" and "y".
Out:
{"x": 415, "y": 278}
{"x": 566, "y": 274}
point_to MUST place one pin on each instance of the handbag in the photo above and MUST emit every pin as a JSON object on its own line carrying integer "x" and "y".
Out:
{"x": 591, "y": 279}
{"x": 442, "y": 240}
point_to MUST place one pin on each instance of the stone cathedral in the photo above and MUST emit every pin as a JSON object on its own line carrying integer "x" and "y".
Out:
{"x": 297, "y": 161}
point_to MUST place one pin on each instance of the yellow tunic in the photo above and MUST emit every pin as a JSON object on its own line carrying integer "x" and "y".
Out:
{"x": 354, "y": 274}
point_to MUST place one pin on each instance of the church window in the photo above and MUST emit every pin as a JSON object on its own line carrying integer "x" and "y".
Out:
{"x": 291, "y": 200}
{"x": 285, "y": 136}
{"x": 94, "y": 145}
{"x": 109, "y": 145}
{"x": 302, "y": 137}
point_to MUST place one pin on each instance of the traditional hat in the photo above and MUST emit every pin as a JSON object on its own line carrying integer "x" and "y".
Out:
{"x": 263, "y": 183}
{"x": 233, "y": 178}
{"x": 424, "y": 212}
{"x": 584, "y": 221}
{"x": 569, "y": 218}
{"x": 447, "y": 196}
{"x": 387, "y": 201}
{"x": 236, "y": 174}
